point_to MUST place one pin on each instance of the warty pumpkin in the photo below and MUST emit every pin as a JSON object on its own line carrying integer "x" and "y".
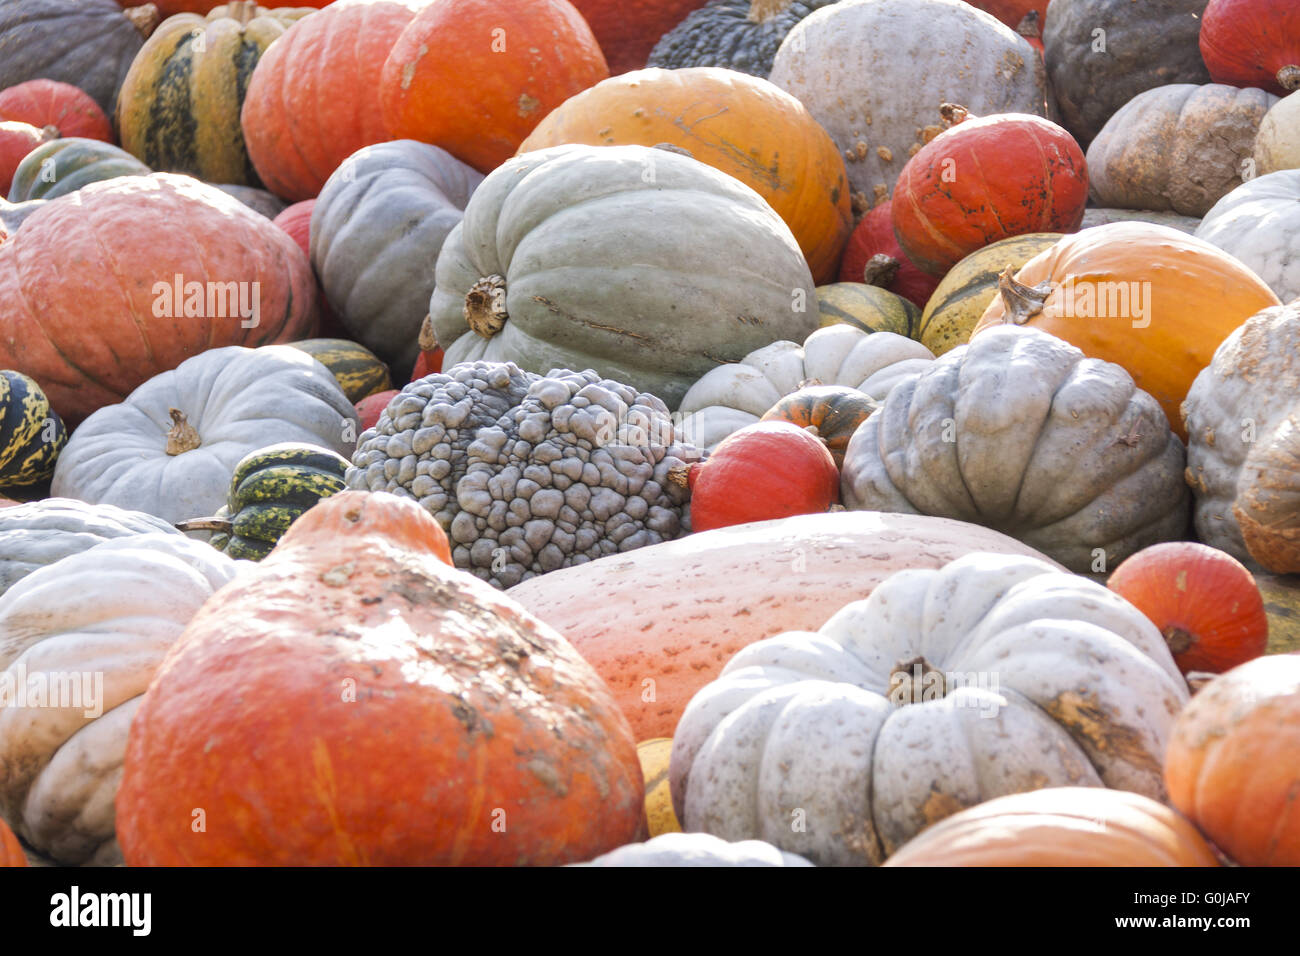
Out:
{"x": 873, "y": 256}
{"x": 63, "y": 166}
{"x": 31, "y": 432}
{"x": 487, "y": 739}
{"x": 68, "y": 109}
{"x": 627, "y": 29}
{"x": 1258, "y": 223}
{"x": 1252, "y": 43}
{"x": 697, "y": 849}
{"x": 740, "y": 35}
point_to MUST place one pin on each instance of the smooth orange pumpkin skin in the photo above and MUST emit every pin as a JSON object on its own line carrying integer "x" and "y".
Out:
{"x": 627, "y": 30}
{"x": 1246, "y": 42}
{"x": 1193, "y": 592}
{"x": 11, "y": 851}
{"x": 67, "y": 108}
{"x": 1233, "y": 761}
{"x": 311, "y": 101}
{"x": 1060, "y": 826}
{"x": 1012, "y": 12}
{"x": 448, "y": 81}
{"x": 467, "y": 712}
{"x": 17, "y": 139}
{"x": 1198, "y": 296}
{"x": 742, "y": 125}
{"x": 372, "y": 406}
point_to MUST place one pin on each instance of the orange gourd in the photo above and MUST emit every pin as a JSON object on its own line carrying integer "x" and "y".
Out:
{"x": 833, "y": 412}
{"x": 1252, "y": 43}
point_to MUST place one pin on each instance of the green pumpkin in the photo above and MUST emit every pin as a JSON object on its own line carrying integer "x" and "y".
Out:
{"x": 867, "y": 307}
{"x": 63, "y": 166}
{"x": 359, "y": 371}
{"x": 31, "y": 432}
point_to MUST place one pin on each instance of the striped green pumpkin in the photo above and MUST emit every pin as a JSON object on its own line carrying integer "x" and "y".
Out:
{"x": 359, "y": 371}
{"x": 31, "y": 432}
{"x": 63, "y": 166}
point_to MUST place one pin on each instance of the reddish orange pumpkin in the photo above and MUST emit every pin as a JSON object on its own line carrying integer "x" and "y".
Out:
{"x": 296, "y": 221}
{"x": 1233, "y": 761}
{"x": 1013, "y": 12}
{"x": 11, "y": 851}
{"x": 310, "y": 104}
{"x": 372, "y": 406}
{"x": 971, "y": 185}
{"x": 476, "y": 76}
{"x": 1253, "y": 43}
{"x": 354, "y": 700}
{"x": 1203, "y": 600}
{"x": 627, "y": 30}
{"x": 16, "y": 141}
{"x": 429, "y": 360}
{"x": 62, "y": 106}
{"x": 873, "y": 236}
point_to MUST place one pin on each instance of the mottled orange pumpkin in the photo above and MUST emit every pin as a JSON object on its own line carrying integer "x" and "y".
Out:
{"x": 834, "y": 412}
{"x": 11, "y": 852}
{"x": 354, "y": 700}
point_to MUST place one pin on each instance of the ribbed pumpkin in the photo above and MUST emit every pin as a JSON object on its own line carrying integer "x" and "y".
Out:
{"x": 63, "y": 166}
{"x": 1277, "y": 143}
{"x": 742, "y": 125}
{"x": 741, "y": 35}
{"x": 17, "y": 140}
{"x": 31, "y": 432}
{"x": 1253, "y": 43}
{"x": 831, "y": 412}
{"x": 874, "y": 256}
{"x": 866, "y": 307}
{"x": 178, "y": 109}
{"x": 971, "y": 185}
{"x": 68, "y": 109}
{"x": 1153, "y": 300}
{"x": 310, "y": 103}
{"x": 358, "y": 370}
{"x": 627, "y": 29}
{"x": 510, "y": 62}
{"x": 11, "y": 851}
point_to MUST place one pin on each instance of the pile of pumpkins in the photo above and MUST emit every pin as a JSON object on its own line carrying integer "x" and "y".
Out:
{"x": 742, "y": 432}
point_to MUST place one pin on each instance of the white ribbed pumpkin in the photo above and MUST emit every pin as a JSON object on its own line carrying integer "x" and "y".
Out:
{"x": 696, "y": 849}
{"x": 1259, "y": 223}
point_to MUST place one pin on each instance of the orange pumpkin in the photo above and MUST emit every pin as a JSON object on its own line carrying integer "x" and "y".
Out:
{"x": 1252, "y": 43}
{"x": 1151, "y": 299}
{"x": 743, "y": 125}
{"x": 1203, "y": 600}
{"x": 874, "y": 236}
{"x": 355, "y": 700}
{"x": 476, "y": 76}
{"x": 1013, "y": 12}
{"x": 11, "y": 851}
{"x": 68, "y": 109}
{"x": 1233, "y": 762}
{"x": 834, "y": 412}
{"x": 17, "y": 139}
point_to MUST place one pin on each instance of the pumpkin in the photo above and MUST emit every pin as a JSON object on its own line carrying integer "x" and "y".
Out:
{"x": 740, "y": 35}
{"x": 178, "y": 109}
{"x": 62, "y": 754}
{"x": 430, "y": 358}
{"x": 966, "y": 290}
{"x": 866, "y": 307}
{"x": 66, "y": 108}
{"x": 1148, "y": 298}
{"x": 1020, "y": 432}
{"x": 296, "y": 221}
{"x": 1233, "y": 763}
{"x": 856, "y": 66}
{"x": 831, "y": 412}
{"x": 1101, "y": 216}
{"x": 170, "y": 448}
{"x": 169, "y": 8}
{"x": 429, "y": 678}
{"x": 63, "y": 166}
{"x": 1252, "y": 43}
{"x": 1180, "y": 147}
{"x": 31, "y": 432}
{"x": 269, "y": 490}
{"x": 1060, "y": 826}
{"x": 529, "y": 473}
{"x": 739, "y": 124}
{"x": 733, "y": 396}
{"x": 88, "y": 43}
{"x": 1282, "y": 605}
{"x": 16, "y": 141}
{"x": 376, "y": 230}
{"x": 1257, "y": 223}
{"x": 1014, "y": 12}
{"x": 1277, "y": 144}
{"x": 1140, "y": 46}
{"x": 506, "y": 78}
{"x": 357, "y": 370}
{"x": 874, "y": 256}
{"x": 654, "y": 756}
{"x": 372, "y": 406}
{"x": 38, "y": 533}
{"x": 729, "y": 588}
{"x": 643, "y": 265}
{"x": 697, "y": 849}
{"x": 970, "y": 186}
{"x": 990, "y": 675}
{"x": 309, "y": 107}
{"x": 143, "y": 246}
{"x": 627, "y": 31}
{"x": 1204, "y": 601}
{"x": 11, "y": 851}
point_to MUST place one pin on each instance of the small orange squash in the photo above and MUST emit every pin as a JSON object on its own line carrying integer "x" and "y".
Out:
{"x": 834, "y": 412}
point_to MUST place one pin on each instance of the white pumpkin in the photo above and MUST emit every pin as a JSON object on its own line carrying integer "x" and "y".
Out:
{"x": 232, "y": 401}
{"x": 1277, "y": 144}
{"x": 696, "y": 849}
{"x": 1259, "y": 223}
{"x": 92, "y": 629}
{"x": 730, "y": 397}
{"x": 995, "y": 674}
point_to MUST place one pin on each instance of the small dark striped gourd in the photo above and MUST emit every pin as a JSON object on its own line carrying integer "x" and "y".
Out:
{"x": 63, "y": 166}
{"x": 834, "y": 411}
{"x": 31, "y": 432}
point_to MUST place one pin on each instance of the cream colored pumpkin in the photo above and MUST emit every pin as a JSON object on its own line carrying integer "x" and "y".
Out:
{"x": 1277, "y": 144}
{"x": 1259, "y": 223}
{"x": 108, "y": 615}
{"x": 992, "y": 675}
{"x": 730, "y": 397}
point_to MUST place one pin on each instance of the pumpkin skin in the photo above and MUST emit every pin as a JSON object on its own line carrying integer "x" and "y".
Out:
{"x": 740, "y": 35}
{"x": 833, "y": 412}
{"x": 16, "y": 141}
{"x": 259, "y": 200}
{"x": 872, "y": 236}
{"x": 11, "y": 851}
{"x": 626, "y": 31}
{"x": 296, "y": 221}
{"x": 1146, "y": 45}
{"x": 1204, "y": 601}
{"x": 357, "y": 370}
{"x": 307, "y": 109}
{"x": 739, "y": 124}
{"x": 295, "y": 633}
{"x": 504, "y": 87}
{"x": 63, "y": 166}
{"x": 63, "y": 106}
{"x": 995, "y": 433}
{"x": 866, "y": 307}
{"x": 1180, "y": 147}
{"x": 646, "y": 315}
{"x": 372, "y": 406}
{"x": 1061, "y": 826}
{"x": 879, "y": 724}
{"x": 128, "y": 235}
{"x": 1101, "y": 216}
{"x": 1257, "y": 223}
{"x": 970, "y": 186}
{"x": 1277, "y": 144}
{"x": 1233, "y": 758}
{"x": 169, "y": 8}
{"x": 697, "y": 849}
{"x": 31, "y": 432}
{"x": 1252, "y": 43}
{"x": 835, "y": 58}
{"x": 1198, "y": 295}
{"x": 796, "y": 571}
{"x": 1013, "y": 12}
{"x": 654, "y": 755}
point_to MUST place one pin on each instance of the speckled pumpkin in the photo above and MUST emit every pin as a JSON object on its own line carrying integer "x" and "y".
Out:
{"x": 359, "y": 371}
{"x": 31, "y": 432}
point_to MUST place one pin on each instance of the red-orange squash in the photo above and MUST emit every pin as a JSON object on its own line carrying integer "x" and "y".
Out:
{"x": 874, "y": 236}
{"x": 1013, "y": 12}
{"x": 66, "y": 108}
{"x": 16, "y": 141}
{"x": 372, "y": 406}
{"x": 356, "y": 701}
{"x": 476, "y": 76}
{"x": 171, "y": 7}
{"x": 627, "y": 30}
{"x": 296, "y": 221}
{"x": 11, "y": 851}
{"x": 1253, "y": 43}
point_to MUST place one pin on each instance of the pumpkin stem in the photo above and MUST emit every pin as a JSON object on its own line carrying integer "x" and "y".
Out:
{"x": 1289, "y": 77}
{"x": 1178, "y": 639}
{"x": 206, "y": 524}
{"x": 684, "y": 476}
{"x": 760, "y": 11}
{"x": 915, "y": 681}
{"x": 144, "y": 18}
{"x": 182, "y": 437}
{"x": 485, "y": 306}
{"x": 1020, "y": 302}
{"x": 242, "y": 11}
{"x": 880, "y": 270}
{"x": 951, "y": 114}
{"x": 427, "y": 340}
{"x": 50, "y": 132}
